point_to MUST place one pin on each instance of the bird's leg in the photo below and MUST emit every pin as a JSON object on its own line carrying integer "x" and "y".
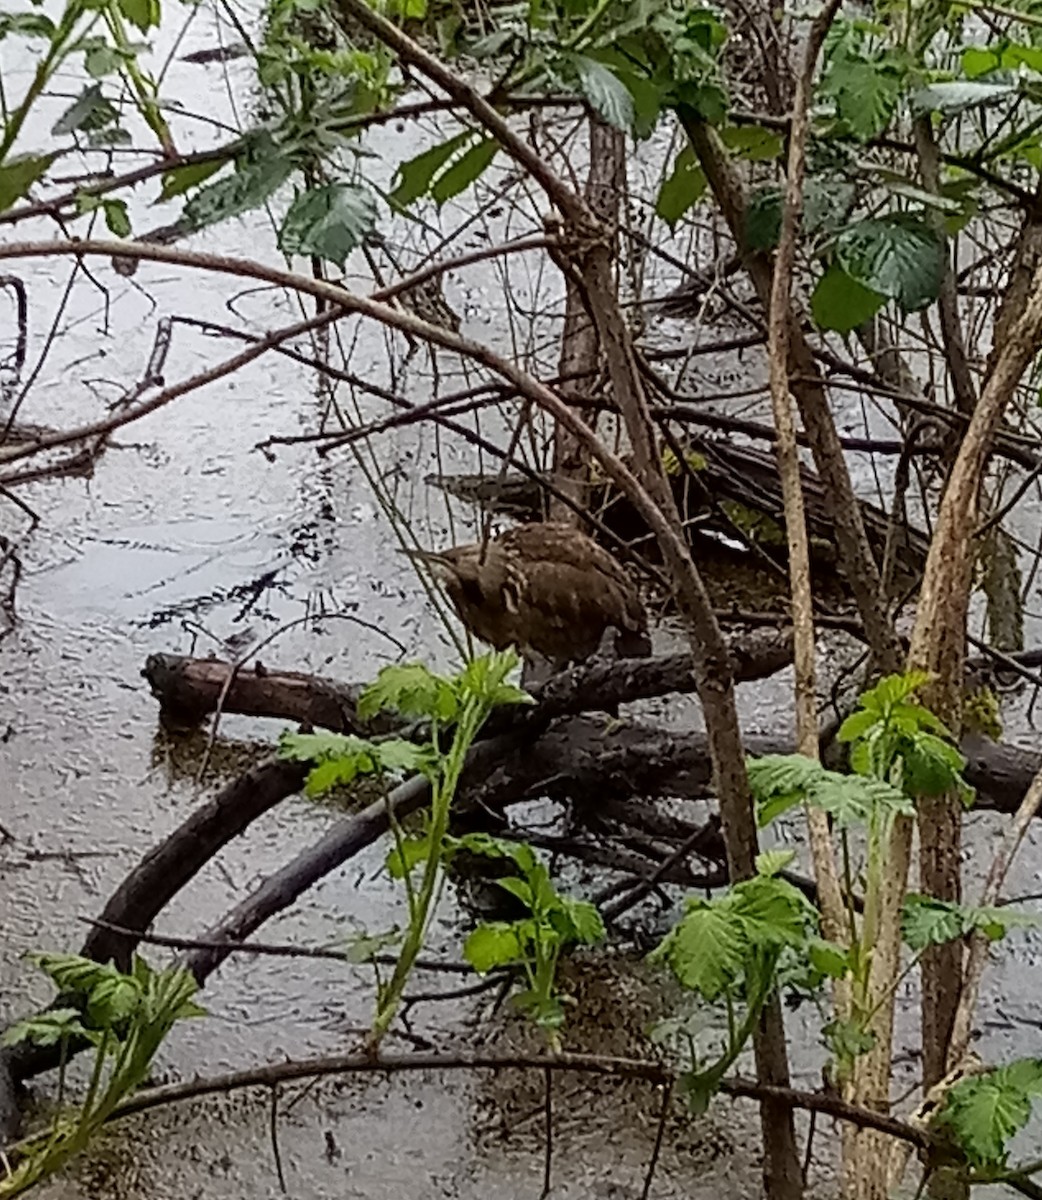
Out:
{"x": 607, "y": 652}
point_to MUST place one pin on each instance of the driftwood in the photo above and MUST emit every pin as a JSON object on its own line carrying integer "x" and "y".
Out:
{"x": 189, "y": 689}
{"x": 614, "y": 772}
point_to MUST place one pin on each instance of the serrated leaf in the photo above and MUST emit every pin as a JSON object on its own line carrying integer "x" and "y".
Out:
{"x": 780, "y": 781}
{"x": 18, "y": 174}
{"x": 773, "y": 862}
{"x": 45, "y": 1029}
{"x": 249, "y": 188}
{"x": 984, "y": 1112}
{"x": 607, "y": 95}
{"x": 411, "y": 689}
{"x": 494, "y": 944}
{"x": 26, "y": 24}
{"x": 865, "y": 94}
{"x": 902, "y": 259}
{"x": 329, "y": 222}
{"x": 931, "y": 765}
{"x": 929, "y": 922}
{"x": 959, "y": 95}
{"x": 179, "y": 180}
{"x": 587, "y": 923}
{"x": 841, "y": 304}
{"x": 414, "y": 177}
{"x": 684, "y": 187}
{"x": 464, "y": 170}
{"x": 313, "y": 747}
{"x": 926, "y": 921}
{"x": 772, "y": 912}
{"x": 704, "y": 949}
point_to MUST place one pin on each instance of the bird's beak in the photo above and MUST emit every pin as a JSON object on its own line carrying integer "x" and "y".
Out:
{"x": 424, "y": 556}
{"x": 440, "y": 566}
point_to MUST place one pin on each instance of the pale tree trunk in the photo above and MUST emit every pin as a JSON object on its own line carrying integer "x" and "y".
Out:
{"x": 578, "y": 363}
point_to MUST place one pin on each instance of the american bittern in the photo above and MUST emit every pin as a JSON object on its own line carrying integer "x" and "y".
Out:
{"x": 546, "y": 589}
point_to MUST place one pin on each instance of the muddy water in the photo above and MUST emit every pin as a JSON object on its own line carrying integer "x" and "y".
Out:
{"x": 186, "y": 536}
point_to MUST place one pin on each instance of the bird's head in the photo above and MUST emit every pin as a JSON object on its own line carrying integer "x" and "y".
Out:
{"x": 477, "y": 572}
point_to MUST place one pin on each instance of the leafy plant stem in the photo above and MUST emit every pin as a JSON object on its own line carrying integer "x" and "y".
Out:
{"x": 441, "y": 802}
{"x": 45, "y": 69}
{"x": 142, "y": 86}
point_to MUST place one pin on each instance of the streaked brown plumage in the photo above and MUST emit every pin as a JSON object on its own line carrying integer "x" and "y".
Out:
{"x": 545, "y": 588}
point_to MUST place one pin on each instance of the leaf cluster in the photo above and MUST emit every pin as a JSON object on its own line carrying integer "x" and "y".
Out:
{"x": 554, "y": 923}
{"x": 891, "y": 734}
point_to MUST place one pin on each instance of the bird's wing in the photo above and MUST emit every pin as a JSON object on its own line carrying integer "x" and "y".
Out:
{"x": 560, "y": 545}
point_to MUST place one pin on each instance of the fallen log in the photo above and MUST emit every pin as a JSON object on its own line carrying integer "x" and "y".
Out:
{"x": 190, "y": 689}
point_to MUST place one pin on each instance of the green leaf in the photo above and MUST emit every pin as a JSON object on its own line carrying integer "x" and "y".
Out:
{"x": 752, "y": 142}
{"x": 113, "y": 1000}
{"x": 857, "y": 725}
{"x": 848, "y": 1040}
{"x": 492, "y": 847}
{"x": 404, "y": 858}
{"x": 116, "y": 218}
{"x": 959, "y": 95}
{"x": 26, "y": 24}
{"x": 985, "y": 1111}
{"x": 249, "y": 188}
{"x": 178, "y": 180}
{"x": 900, "y": 258}
{"x": 364, "y": 947}
{"x": 484, "y": 678}
{"x": 931, "y": 766}
{"x": 328, "y": 222}
{"x": 683, "y": 189}
{"x": 102, "y": 60}
{"x": 517, "y": 887}
{"x": 929, "y": 922}
{"x": 781, "y": 781}
{"x": 773, "y": 862}
{"x": 587, "y": 923}
{"x": 145, "y": 14}
{"x": 865, "y": 94}
{"x": 411, "y": 689}
{"x": 464, "y": 171}
{"x": 840, "y": 303}
{"x": 46, "y": 1028}
{"x": 704, "y": 949}
{"x": 772, "y": 912}
{"x": 414, "y": 177}
{"x": 976, "y": 60}
{"x": 763, "y": 218}
{"x": 926, "y": 921}
{"x": 494, "y": 944}
{"x": 18, "y": 174}
{"x": 607, "y": 95}
{"x": 828, "y": 958}
{"x": 72, "y": 972}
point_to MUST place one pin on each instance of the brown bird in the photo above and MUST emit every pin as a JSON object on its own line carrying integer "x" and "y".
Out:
{"x": 545, "y": 588}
